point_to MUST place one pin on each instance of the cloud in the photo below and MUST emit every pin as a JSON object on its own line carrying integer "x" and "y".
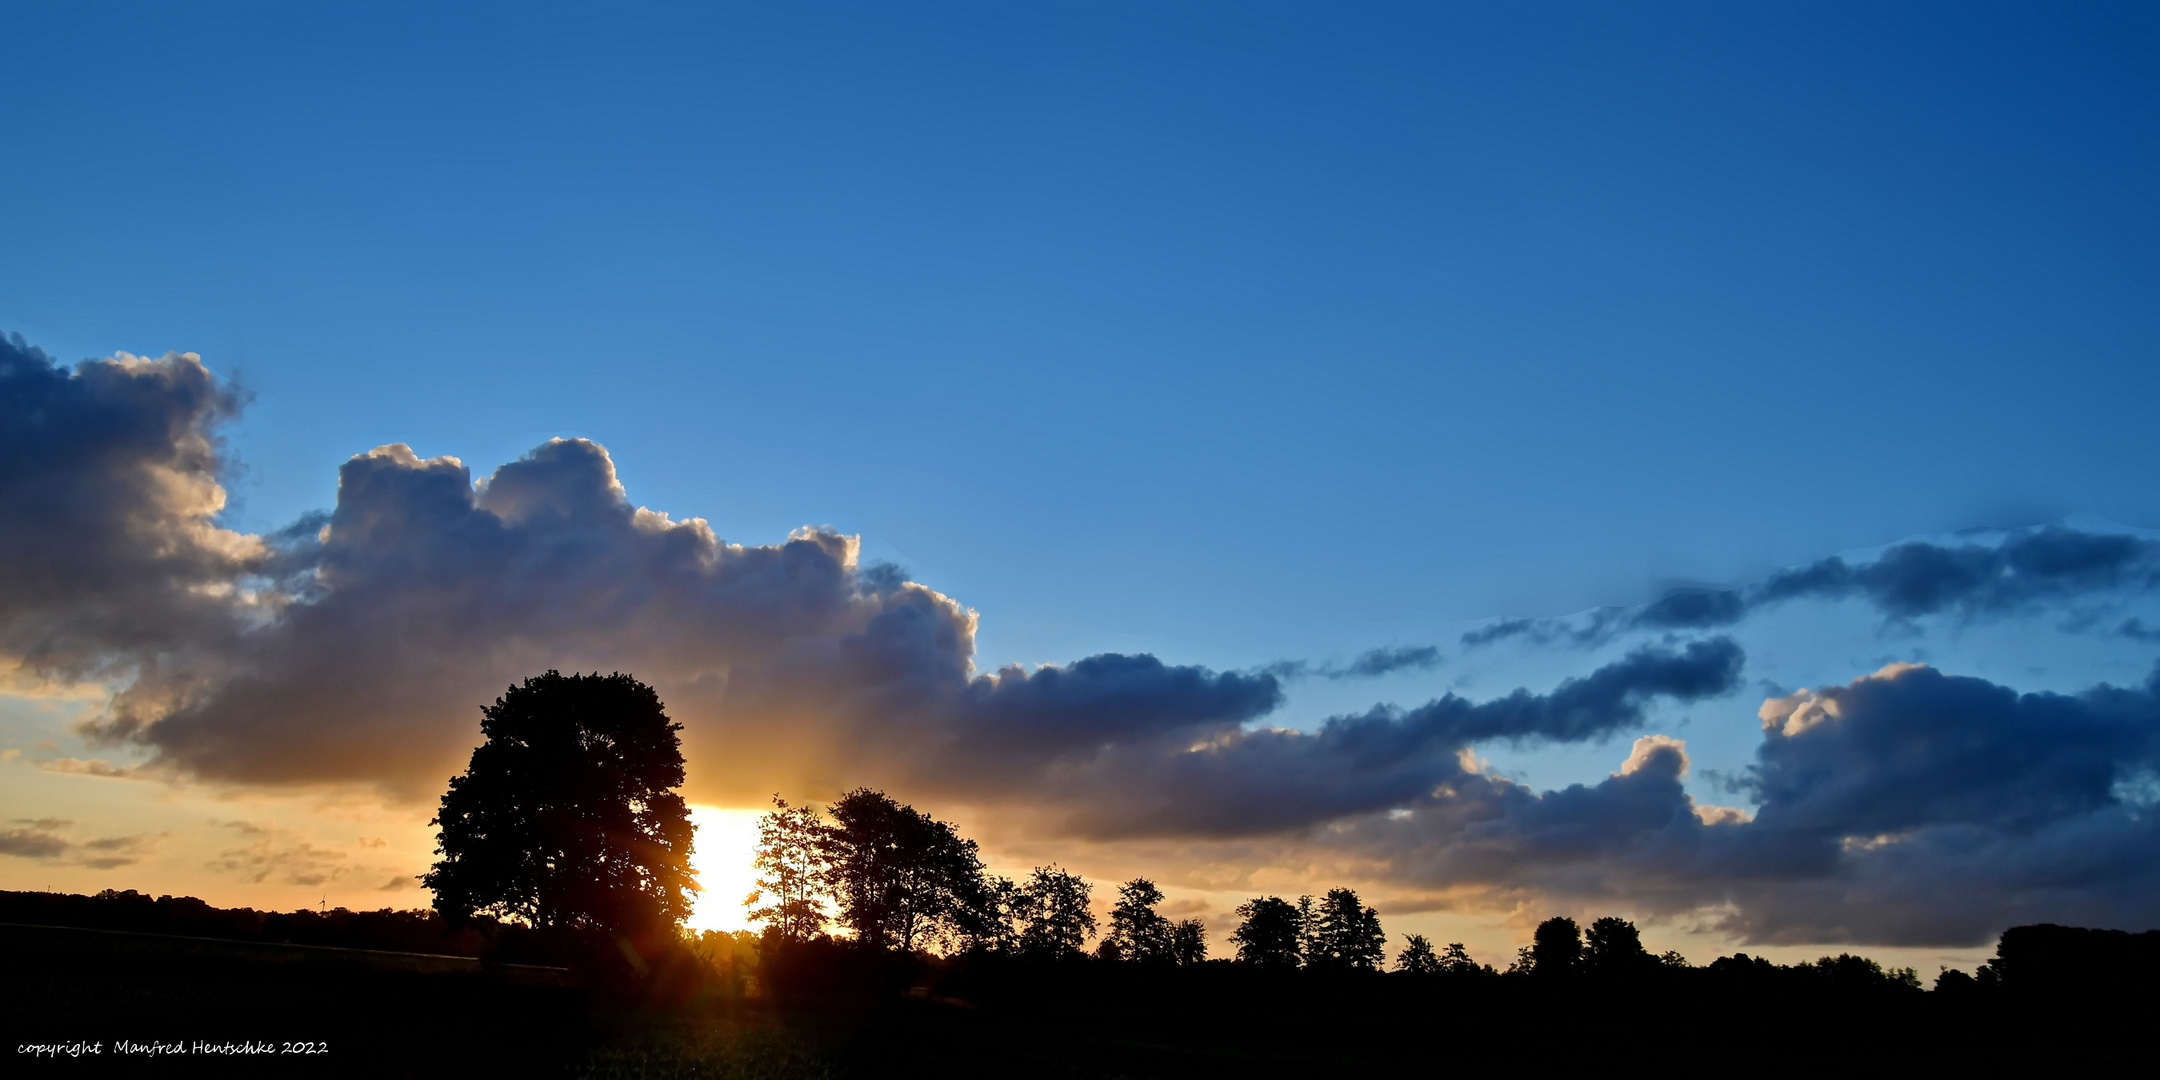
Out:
{"x": 277, "y": 855}
{"x": 111, "y": 852}
{"x": 1906, "y": 581}
{"x": 92, "y": 767}
{"x": 1372, "y": 663}
{"x": 109, "y": 488}
{"x": 39, "y": 841}
{"x": 40, "y": 838}
{"x": 1906, "y": 807}
{"x": 1243, "y": 782}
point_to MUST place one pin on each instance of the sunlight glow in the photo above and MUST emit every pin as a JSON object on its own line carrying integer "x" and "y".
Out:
{"x": 726, "y": 842}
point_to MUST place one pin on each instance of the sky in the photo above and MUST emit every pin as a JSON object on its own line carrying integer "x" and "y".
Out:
{"x": 1161, "y": 438}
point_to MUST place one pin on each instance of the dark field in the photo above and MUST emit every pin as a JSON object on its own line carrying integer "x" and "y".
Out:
{"x": 399, "y": 1014}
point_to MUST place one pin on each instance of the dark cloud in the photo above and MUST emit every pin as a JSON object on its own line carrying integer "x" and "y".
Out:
{"x": 1907, "y": 807}
{"x": 1246, "y": 782}
{"x": 109, "y": 490}
{"x": 40, "y": 838}
{"x": 1376, "y": 662}
{"x": 1911, "y": 580}
{"x": 1907, "y": 581}
{"x": 1372, "y": 663}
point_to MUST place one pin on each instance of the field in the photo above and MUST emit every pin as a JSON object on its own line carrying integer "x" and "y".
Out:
{"x": 351, "y": 1012}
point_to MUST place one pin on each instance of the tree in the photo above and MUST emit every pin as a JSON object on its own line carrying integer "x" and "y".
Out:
{"x": 1270, "y": 934}
{"x": 1002, "y": 903}
{"x": 1615, "y": 949}
{"x": 1418, "y": 957}
{"x": 1137, "y": 932}
{"x": 1347, "y": 934}
{"x": 1556, "y": 948}
{"x": 1188, "y": 943}
{"x": 1052, "y": 909}
{"x": 1308, "y": 936}
{"x": 1525, "y": 961}
{"x": 902, "y": 877}
{"x": 567, "y": 815}
{"x": 1456, "y": 961}
{"x": 790, "y": 860}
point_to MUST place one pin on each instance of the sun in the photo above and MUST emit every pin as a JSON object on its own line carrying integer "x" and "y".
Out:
{"x": 726, "y": 842}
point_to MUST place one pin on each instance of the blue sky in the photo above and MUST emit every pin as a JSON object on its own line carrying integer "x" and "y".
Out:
{"x": 1226, "y": 333}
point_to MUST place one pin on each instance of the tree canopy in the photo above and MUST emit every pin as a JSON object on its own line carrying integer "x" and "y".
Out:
{"x": 567, "y": 815}
{"x": 789, "y": 862}
{"x": 1137, "y": 931}
{"x": 1346, "y": 934}
{"x": 1556, "y": 948}
{"x": 1052, "y": 910}
{"x": 1270, "y": 934}
{"x": 902, "y": 877}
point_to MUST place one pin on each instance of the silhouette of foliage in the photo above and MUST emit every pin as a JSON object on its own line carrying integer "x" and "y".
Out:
{"x": 790, "y": 858}
{"x": 1052, "y": 910}
{"x": 1456, "y": 961}
{"x": 567, "y": 816}
{"x": 1556, "y": 948}
{"x": 1614, "y": 949}
{"x": 1308, "y": 930}
{"x": 1271, "y": 933}
{"x": 2050, "y": 960}
{"x": 1188, "y": 943}
{"x": 1418, "y": 957}
{"x": 1137, "y": 932}
{"x": 903, "y": 879}
{"x": 1346, "y": 934}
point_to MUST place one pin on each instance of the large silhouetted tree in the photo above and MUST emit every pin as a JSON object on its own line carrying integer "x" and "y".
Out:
{"x": 790, "y": 859}
{"x": 1556, "y": 948}
{"x": 1346, "y": 934}
{"x": 902, "y": 877}
{"x": 1418, "y": 957}
{"x": 1456, "y": 961}
{"x": 1188, "y": 943}
{"x": 1052, "y": 908}
{"x": 1271, "y": 933}
{"x": 1137, "y": 931}
{"x": 567, "y": 815}
{"x": 1614, "y": 949}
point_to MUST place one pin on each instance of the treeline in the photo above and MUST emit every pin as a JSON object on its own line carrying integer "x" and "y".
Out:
{"x": 897, "y": 879}
{"x": 396, "y": 931}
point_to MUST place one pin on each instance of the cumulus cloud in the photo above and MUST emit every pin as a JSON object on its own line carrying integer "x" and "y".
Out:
{"x": 1907, "y": 807}
{"x": 425, "y": 591}
{"x": 1906, "y": 581}
{"x": 1240, "y": 781}
{"x": 109, "y": 484}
